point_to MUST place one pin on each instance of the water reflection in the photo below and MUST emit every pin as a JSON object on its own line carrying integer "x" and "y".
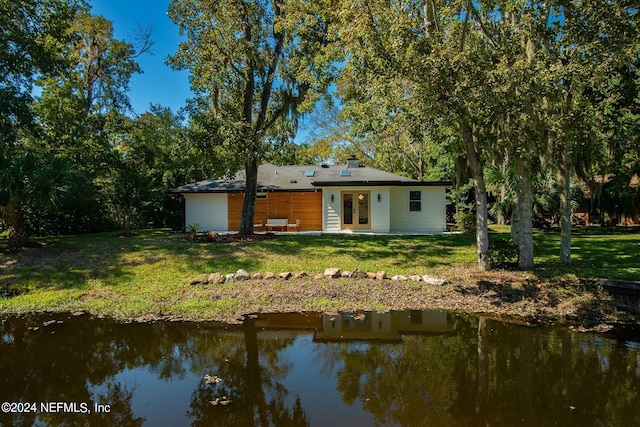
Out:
{"x": 403, "y": 368}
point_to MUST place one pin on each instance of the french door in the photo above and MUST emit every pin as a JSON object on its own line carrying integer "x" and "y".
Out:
{"x": 356, "y": 210}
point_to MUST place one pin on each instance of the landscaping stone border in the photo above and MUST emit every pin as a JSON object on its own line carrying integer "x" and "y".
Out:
{"x": 330, "y": 273}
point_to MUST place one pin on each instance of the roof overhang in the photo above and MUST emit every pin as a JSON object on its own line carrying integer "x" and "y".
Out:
{"x": 382, "y": 184}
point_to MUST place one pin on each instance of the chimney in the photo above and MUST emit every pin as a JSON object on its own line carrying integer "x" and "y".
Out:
{"x": 352, "y": 162}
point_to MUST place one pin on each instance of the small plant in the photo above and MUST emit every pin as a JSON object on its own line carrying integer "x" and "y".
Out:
{"x": 503, "y": 253}
{"x": 192, "y": 229}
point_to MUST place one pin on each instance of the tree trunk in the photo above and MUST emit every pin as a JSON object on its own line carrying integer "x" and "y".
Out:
{"x": 18, "y": 233}
{"x": 126, "y": 227}
{"x": 515, "y": 225}
{"x": 482, "y": 216}
{"x": 524, "y": 205}
{"x": 480, "y": 189}
{"x": 249, "y": 204}
{"x": 564, "y": 184}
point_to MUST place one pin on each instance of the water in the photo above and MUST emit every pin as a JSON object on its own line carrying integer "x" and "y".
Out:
{"x": 409, "y": 368}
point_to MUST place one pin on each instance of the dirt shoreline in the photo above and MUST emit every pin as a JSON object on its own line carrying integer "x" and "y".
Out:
{"x": 574, "y": 303}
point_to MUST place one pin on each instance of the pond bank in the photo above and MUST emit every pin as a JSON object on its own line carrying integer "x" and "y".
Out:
{"x": 572, "y": 302}
{"x": 147, "y": 277}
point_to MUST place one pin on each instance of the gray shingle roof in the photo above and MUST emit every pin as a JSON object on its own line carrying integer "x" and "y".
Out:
{"x": 300, "y": 178}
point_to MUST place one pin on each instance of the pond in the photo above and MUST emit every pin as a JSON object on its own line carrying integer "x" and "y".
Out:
{"x": 406, "y": 368}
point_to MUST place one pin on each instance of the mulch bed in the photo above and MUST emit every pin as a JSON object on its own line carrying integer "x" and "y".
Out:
{"x": 234, "y": 238}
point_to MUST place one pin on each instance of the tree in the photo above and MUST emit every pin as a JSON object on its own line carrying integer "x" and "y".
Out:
{"x": 79, "y": 109}
{"x": 392, "y": 129}
{"x": 555, "y": 55}
{"x": 33, "y": 43}
{"x": 259, "y": 63}
{"x": 438, "y": 48}
{"x": 29, "y": 183}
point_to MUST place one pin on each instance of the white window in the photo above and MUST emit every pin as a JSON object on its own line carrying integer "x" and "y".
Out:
{"x": 415, "y": 201}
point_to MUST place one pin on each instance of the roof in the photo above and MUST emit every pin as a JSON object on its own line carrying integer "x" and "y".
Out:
{"x": 303, "y": 178}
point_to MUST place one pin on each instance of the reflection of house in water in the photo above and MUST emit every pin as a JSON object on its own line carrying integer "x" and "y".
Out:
{"x": 361, "y": 326}
{"x": 382, "y": 326}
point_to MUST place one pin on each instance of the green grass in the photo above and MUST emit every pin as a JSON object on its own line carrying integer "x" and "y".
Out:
{"x": 149, "y": 273}
{"x": 615, "y": 253}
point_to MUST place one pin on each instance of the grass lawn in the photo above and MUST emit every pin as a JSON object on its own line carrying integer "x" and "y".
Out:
{"x": 148, "y": 275}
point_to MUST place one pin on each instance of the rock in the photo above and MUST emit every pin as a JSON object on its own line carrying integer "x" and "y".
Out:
{"x": 285, "y": 275}
{"x": 381, "y": 275}
{"x": 358, "y": 274}
{"x": 345, "y": 274}
{"x": 216, "y": 278}
{"x": 241, "y": 275}
{"x": 415, "y": 278}
{"x": 257, "y": 276}
{"x": 399, "y": 277}
{"x": 333, "y": 273}
{"x": 318, "y": 276}
{"x": 269, "y": 275}
{"x": 229, "y": 277}
{"x": 371, "y": 275}
{"x": 300, "y": 274}
{"x": 430, "y": 280}
{"x": 200, "y": 279}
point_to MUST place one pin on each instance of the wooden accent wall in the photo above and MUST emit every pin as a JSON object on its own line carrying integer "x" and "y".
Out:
{"x": 305, "y": 206}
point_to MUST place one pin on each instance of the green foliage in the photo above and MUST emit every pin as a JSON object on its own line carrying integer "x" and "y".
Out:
{"x": 192, "y": 229}
{"x": 503, "y": 252}
{"x": 257, "y": 66}
{"x": 28, "y": 184}
{"x": 33, "y": 43}
{"x": 466, "y": 221}
{"x": 462, "y": 198}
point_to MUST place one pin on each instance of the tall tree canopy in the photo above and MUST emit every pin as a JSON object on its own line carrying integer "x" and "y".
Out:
{"x": 511, "y": 79}
{"x": 33, "y": 41}
{"x": 258, "y": 64}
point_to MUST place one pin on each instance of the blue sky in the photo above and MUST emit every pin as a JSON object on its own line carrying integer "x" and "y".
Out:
{"x": 159, "y": 84}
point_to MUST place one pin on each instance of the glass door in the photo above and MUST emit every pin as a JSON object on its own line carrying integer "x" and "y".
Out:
{"x": 356, "y": 210}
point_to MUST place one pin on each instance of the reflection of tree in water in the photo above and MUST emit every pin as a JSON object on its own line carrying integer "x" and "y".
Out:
{"x": 413, "y": 383}
{"x": 59, "y": 363}
{"x": 250, "y": 373}
{"x": 64, "y": 362}
{"x": 491, "y": 373}
{"x": 486, "y": 372}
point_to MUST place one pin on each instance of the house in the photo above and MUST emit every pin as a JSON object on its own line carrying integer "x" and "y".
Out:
{"x": 325, "y": 198}
{"x": 609, "y": 201}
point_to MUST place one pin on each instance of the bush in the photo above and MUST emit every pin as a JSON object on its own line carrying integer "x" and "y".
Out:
{"x": 466, "y": 222}
{"x": 503, "y": 253}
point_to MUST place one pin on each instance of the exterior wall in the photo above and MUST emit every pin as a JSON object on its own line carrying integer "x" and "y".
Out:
{"x": 305, "y": 206}
{"x": 332, "y": 211}
{"x": 208, "y": 210}
{"x": 431, "y": 219}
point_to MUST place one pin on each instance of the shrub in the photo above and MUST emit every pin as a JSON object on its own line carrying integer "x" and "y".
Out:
{"x": 503, "y": 253}
{"x": 466, "y": 222}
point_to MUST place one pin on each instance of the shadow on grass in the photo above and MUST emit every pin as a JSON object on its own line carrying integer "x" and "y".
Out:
{"x": 505, "y": 292}
{"x": 72, "y": 262}
{"x": 384, "y": 251}
{"x": 611, "y": 255}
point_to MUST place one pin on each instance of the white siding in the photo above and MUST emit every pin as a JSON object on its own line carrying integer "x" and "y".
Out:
{"x": 332, "y": 211}
{"x": 380, "y": 210}
{"x": 431, "y": 219}
{"x": 208, "y": 210}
